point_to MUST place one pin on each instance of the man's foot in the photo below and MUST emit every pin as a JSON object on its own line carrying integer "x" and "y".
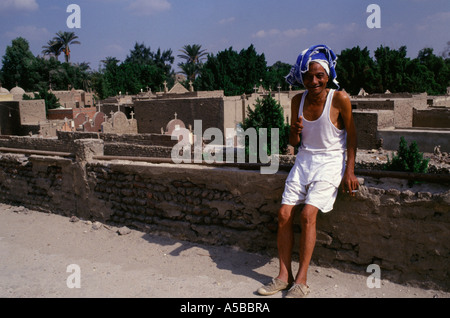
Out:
{"x": 273, "y": 287}
{"x": 298, "y": 291}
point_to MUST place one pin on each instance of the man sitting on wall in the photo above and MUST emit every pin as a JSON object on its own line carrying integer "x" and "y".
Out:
{"x": 322, "y": 125}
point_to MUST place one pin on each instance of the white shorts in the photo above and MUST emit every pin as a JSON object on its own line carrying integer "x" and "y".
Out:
{"x": 320, "y": 194}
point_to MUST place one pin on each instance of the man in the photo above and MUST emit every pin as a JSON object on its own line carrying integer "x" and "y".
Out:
{"x": 322, "y": 125}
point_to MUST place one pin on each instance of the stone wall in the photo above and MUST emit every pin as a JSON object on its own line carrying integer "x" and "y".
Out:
{"x": 9, "y": 117}
{"x": 14, "y": 114}
{"x": 368, "y": 123}
{"x": 404, "y": 230}
{"x": 426, "y": 139}
{"x": 432, "y": 118}
{"x": 32, "y": 111}
{"x": 150, "y": 145}
{"x": 150, "y": 118}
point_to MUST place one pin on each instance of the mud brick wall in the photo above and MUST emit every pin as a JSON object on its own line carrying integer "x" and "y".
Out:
{"x": 432, "y": 118}
{"x": 191, "y": 203}
{"x": 404, "y": 230}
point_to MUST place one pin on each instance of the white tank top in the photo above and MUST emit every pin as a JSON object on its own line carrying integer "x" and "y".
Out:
{"x": 321, "y": 156}
{"x": 321, "y": 135}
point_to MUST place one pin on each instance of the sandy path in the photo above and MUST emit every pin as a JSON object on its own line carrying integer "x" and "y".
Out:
{"x": 36, "y": 249}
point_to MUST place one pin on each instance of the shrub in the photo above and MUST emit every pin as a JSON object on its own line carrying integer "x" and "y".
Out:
{"x": 408, "y": 159}
{"x": 268, "y": 113}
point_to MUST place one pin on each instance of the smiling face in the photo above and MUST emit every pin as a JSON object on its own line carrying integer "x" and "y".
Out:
{"x": 316, "y": 79}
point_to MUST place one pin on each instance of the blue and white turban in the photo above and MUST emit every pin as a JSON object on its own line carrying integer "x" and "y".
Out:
{"x": 321, "y": 54}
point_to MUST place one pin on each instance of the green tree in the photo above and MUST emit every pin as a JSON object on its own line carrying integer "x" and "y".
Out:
{"x": 439, "y": 69}
{"x": 141, "y": 69}
{"x": 391, "y": 65}
{"x": 193, "y": 55}
{"x": 48, "y": 73}
{"x": 356, "y": 70}
{"x": 53, "y": 48}
{"x": 107, "y": 82}
{"x": 140, "y": 54}
{"x": 163, "y": 60}
{"x": 18, "y": 65}
{"x": 267, "y": 113}
{"x": 234, "y": 73}
{"x": 66, "y": 39}
{"x": 275, "y": 76}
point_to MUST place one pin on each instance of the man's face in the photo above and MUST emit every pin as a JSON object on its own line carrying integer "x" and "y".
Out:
{"x": 316, "y": 79}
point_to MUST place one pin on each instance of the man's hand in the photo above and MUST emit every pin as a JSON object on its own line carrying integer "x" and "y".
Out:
{"x": 349, "y": 183}
{"x": 297, "y": 127}
{"x": 295, "y": 131}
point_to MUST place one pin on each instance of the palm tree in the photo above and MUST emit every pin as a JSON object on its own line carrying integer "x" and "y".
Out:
{"x": 53, "y": 48}
{"x": 66, "y": 39}
{"x": 193, "y": 55}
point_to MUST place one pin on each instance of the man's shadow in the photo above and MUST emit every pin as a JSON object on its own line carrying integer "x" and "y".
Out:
{"x": 226, "y": 258}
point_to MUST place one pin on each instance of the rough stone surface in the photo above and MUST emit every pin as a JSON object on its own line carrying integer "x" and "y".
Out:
{"x": 405, "y": 230}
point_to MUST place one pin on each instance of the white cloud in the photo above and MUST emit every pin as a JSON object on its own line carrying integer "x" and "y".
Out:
{"x": 440, "y": 19}
{"x": 149, "y": 7}
{"x": 263, "y": 33}
{"x": 114, "y": 50}
{"x": 325, "y": 27}
{"x": 18, "y": 5}
{"x": 293, "y": 33}
{"x": 290, "y": 33}
{"x": 227, "y": 20}
{"x": 30, "y": 32}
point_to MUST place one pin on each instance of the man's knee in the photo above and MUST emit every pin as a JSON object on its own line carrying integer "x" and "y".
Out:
{"x": 308, "y": 215}
{"x": 285, "y": 215}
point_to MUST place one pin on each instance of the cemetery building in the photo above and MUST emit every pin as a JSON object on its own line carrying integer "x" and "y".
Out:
{"x": 380, "y": 119}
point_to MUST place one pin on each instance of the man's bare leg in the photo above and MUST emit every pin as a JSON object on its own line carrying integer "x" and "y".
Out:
{"x": 308, "y": 218}
{"x": 285, "y": 242}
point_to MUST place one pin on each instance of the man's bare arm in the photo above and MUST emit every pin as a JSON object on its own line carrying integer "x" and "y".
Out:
{"x": 349, "y": 181}
{"x": 296, "y": 123}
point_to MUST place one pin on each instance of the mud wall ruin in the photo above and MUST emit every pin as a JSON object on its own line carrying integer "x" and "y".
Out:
{"x": 404, "y": 230}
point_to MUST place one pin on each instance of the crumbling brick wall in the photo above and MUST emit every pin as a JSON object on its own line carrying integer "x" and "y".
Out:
{"x": 404, "y": 230}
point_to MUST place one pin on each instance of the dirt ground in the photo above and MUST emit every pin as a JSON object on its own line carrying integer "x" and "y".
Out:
{"x": 43, "y": 255}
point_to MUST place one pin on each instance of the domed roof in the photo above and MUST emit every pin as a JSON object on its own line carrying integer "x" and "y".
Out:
{"x": 17, "y": 91}
{"x": 3, "y": 90}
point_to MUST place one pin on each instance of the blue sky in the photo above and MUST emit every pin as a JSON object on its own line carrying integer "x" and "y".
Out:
{"x": 280, "y": 29}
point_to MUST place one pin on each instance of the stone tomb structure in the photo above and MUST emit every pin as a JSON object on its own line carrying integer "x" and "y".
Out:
{"x": 381, "y": 119}
{"x": 22, "y": 117}
{"x": 118, "y": 123}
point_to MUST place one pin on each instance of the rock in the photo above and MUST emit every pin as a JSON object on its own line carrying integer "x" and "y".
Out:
{"x": 74, "y": 219}
{"x": 123, "y": 230}
{"x": 19, "y": 209}
{"x": 96, "y": 225}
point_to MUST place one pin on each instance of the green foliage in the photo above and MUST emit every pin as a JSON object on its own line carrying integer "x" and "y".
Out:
{"x": 234, "y": 73}
{"x": 141, "y": 69}
{"x": 408, "y": 159}
{"x": 392, "y": 70}
{"x": 275, "y": 76}
{"x": 61, "y": 44}
{"x": 267, "y": 113}
{"x": 356, "y": 69}
{"x": 18, "y": 65}
{"x": 193, "y": 56}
